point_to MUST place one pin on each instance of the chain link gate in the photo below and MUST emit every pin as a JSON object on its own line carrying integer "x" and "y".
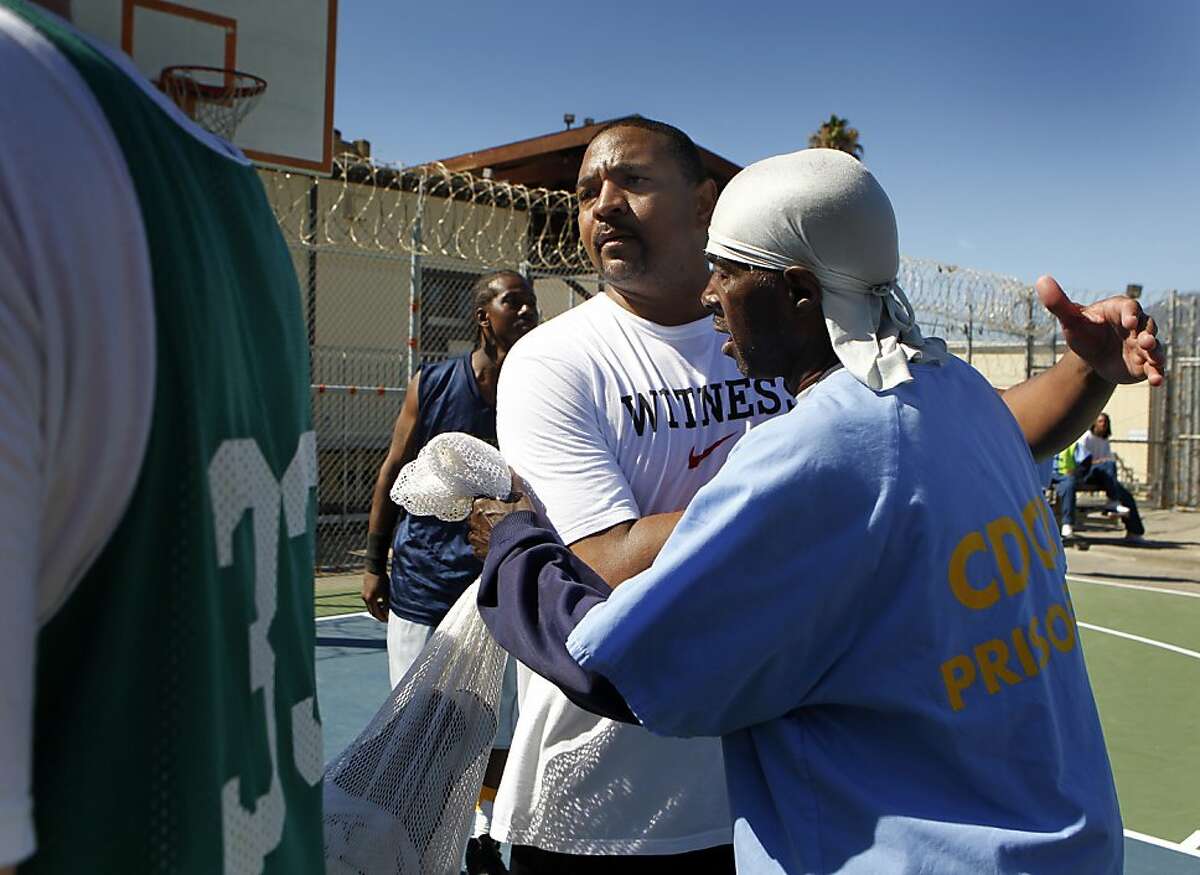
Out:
{"x": 1175, "y": 410}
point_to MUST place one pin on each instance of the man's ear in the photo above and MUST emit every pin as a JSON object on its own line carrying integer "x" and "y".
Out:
{"x": 804, "y": 287}
{"x": 706, "y": 201}
{"x": 481, "y": 318}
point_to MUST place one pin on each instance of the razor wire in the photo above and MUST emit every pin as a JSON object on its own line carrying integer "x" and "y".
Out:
{"x": 387, "y": 257}
{"x": 367, "y": 206}
{"x": 432, "y": 211}
{"x": 960, "y": 302}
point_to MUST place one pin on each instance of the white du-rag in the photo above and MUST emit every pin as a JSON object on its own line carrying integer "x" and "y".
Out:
{"x": 821, "y": 209}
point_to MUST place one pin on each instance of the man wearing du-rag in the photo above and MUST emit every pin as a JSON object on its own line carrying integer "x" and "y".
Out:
{"x": 867, "y": 603}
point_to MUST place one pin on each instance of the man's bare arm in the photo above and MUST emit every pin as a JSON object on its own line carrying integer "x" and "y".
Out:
{"x": 626, "y": 549}
{"x": 384, "y": 512}
{"x": 1055, "y": 407}
{"x": 1110, "y": 342}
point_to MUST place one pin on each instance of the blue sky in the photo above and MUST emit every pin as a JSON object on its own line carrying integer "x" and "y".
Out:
{"x": 1016, "y": 137}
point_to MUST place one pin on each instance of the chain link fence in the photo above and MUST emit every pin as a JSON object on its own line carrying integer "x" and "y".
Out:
{"x": 1175, "y": 411}
{"x": 386, "y": 258}
{"x": 993, "y": 321}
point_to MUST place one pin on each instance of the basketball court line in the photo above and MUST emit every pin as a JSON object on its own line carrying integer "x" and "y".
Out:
{"x": 1191, "y": 845}
{"x": 1162, "y": 843}
{"x": 1172, "y": 647}
{"x": 1077, "y": 579}
{"x": 342, "y": 616}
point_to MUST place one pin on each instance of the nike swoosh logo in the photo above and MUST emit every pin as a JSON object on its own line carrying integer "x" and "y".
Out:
{"x": 694, "y": 460}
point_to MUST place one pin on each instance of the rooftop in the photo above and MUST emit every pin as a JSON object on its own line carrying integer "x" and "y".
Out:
{"x": 552, "y": 160}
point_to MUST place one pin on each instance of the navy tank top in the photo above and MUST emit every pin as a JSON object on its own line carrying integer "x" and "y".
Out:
{"x": 432, "y": 562}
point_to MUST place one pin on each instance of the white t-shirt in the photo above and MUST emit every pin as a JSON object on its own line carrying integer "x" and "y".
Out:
{"x": 77, "y": 365}
{"x": 1091, "y": 444}
{"x": 611, "y": 417}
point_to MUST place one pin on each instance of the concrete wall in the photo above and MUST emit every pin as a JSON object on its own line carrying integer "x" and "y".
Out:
{"x": 554, "y": 297}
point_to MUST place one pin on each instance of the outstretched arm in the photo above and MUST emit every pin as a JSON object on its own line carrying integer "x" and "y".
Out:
{"x": 1110, "y": 342}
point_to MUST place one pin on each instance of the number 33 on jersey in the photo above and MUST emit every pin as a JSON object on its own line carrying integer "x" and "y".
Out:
{"x": 180, "y": 733}
{"x": 241, "y": 482}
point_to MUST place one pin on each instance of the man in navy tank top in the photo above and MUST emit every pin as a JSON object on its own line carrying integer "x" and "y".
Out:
{"x": 432, "y": 563}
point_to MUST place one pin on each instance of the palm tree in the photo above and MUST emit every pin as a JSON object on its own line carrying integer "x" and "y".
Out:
{"x": 834, "y": 134}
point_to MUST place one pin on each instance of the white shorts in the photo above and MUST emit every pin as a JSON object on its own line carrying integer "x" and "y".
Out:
{"x": 406, "y": 640}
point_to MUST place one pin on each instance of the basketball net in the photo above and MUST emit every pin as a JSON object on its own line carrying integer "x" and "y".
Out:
{"x": 216, "y": 98}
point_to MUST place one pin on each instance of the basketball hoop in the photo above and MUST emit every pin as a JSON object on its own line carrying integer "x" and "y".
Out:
{"x": 217, "y": 98}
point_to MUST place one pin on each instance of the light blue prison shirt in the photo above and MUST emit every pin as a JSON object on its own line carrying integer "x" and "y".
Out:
{"x": 868, "y": 605}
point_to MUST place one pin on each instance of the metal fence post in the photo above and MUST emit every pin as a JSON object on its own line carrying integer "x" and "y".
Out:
{"x": 970, "y": 327}
{"x": 312, "y": 269}
{"x": 344, "y": 453}
{"x": 414, "y": 303}
{"x": 1189, "y": 389}
{"x": 1029, "y": 296}
{"x": 1167, "y": 498}
{"x": 310, "y": 315}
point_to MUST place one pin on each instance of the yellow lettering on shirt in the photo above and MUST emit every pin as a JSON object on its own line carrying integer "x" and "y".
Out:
{"x": 1023, "y": 655}
{"x": 992, "y": 657}
{"x": 1067, "y": 641}
{"x": 958, "y": 673}
{"x": 1032, "y": 515}
{"x": 1005, "y": 543}
{"x": 992, "y": 661}
{"x": 1035, "y": 637}
{"x": 977, "y": 599}
{"x": 1001, "y": 532}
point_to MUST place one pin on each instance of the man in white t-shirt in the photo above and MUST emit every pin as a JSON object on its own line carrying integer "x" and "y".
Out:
{"x": 616, "y": 413}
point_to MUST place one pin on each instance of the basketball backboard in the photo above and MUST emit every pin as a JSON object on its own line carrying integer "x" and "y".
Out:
{"x": 290, "y": 43}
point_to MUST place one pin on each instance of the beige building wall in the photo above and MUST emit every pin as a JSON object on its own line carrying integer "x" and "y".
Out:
{"x": 362, "y": 300}
{"x": 364, "y": 266}
{"x": 1002, "y": 366}
{"x": 363, "y": 288}
{"x": 1129, "y": 411}
{"x": 554, "y": 297}
{"x": 1129, "y": 407}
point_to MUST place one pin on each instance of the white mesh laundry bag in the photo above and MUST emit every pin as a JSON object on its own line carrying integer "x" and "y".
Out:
{"x": 448, "y": 474}
{"x": 401, "y": 797}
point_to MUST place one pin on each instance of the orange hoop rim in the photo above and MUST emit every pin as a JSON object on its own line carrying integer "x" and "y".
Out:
{"x": 180, "y": 73}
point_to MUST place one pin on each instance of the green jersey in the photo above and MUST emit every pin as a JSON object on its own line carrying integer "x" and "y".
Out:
{"x": 175, "y": 724}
